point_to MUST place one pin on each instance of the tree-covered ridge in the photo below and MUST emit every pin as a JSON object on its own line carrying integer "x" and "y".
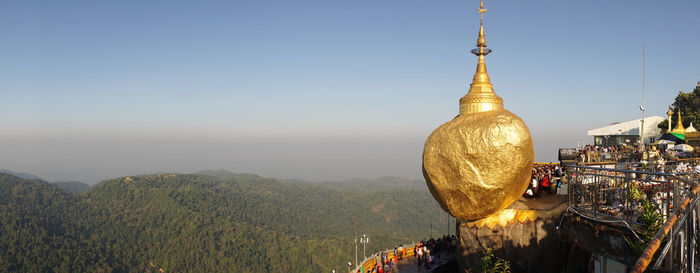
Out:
{"x": 73, "y": 186}
{"x": 382, "y": 183}
{"x": 689, "y": 103}
{"x": 20, "y": 175}
{"x": 45, "y": 229}
{"x": 70, "y": 186}
{"x": 198, "y": 223}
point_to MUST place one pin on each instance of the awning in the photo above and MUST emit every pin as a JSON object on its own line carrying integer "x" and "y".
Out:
{"x": 673, "y": 137}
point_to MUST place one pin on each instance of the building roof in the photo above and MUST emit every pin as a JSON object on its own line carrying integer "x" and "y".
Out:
{"x": 630, "y": 128}
{"x": 695, "y": 134}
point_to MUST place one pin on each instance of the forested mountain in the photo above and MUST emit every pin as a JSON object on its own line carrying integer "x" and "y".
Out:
{"x": 20, "y": 175}
{"x": 201, "y": 223}
{"x": 356, "y": 184}
{"x": 382, "y": 183}
{"x": 73, "y": 186}
{"x": 46, "y": 229}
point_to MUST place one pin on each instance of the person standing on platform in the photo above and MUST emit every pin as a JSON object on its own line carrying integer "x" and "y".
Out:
{"x": 419, "y": 255}
{"x": 545, "y": 183}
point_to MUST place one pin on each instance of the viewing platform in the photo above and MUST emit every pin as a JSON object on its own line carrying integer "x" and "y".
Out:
{"x": 633, "y": 220}
{"x": 445, "y": 262}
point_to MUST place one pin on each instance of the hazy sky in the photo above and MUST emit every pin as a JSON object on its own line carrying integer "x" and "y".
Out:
{"x": 315, "y": 89}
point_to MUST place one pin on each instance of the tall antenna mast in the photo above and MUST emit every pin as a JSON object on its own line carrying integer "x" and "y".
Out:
{"x": 641, "y": 136}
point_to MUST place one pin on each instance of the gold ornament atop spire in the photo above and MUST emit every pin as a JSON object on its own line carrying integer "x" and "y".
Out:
{"x": 481, "y": 96}
{"x": 481, "y": 41}
{"x": 679, "y": 126}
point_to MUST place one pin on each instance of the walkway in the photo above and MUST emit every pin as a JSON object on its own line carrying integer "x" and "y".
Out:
{"x": 409, "y": 265}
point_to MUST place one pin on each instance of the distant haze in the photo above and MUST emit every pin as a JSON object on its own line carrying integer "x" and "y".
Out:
{"x": 93, "y": 160}
{"x": 311, "y": 89}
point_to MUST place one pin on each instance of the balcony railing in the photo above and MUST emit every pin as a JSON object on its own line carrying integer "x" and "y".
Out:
{"x": 621, "y": 195}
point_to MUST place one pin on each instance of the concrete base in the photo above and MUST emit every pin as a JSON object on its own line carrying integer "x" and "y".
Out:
{"x": 530, "y": 240}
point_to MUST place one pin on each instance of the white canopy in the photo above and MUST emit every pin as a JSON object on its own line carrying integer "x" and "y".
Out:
{"x": 630, "y": 128}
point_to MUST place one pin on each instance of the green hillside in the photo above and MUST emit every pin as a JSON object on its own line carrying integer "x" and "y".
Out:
{"x": 45, "y": 229}
{"x": 73, "y": 186}
{"x": 201, "y": 223}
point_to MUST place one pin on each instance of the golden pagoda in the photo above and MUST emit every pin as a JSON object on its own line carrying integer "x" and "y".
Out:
{"x": 679, "y": 125}
{"x": 692, "y": 136}
{"x": 478, "y": 163}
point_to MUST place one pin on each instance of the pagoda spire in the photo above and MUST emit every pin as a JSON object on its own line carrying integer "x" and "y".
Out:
{"x": 481, "y": 41}
{"x": 679, "y": 125}
{"x": 481, "y": 96}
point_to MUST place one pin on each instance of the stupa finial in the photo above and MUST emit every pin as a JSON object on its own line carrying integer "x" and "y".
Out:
{"x": 481, "y": 96}
{"x": 481, "y": 41}
{"x": 679, "y": 125}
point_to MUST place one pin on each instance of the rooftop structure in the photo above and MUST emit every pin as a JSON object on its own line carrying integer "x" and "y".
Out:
{"x": 627, "y": 132}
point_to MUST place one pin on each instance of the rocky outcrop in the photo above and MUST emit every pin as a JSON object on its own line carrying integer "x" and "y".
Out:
{"x": 525, "y": 234}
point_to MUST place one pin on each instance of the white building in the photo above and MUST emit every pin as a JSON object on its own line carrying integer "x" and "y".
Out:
{"x": 627, "y": 132}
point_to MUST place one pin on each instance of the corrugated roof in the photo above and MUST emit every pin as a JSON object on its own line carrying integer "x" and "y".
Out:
{"x": 630, "y": 128}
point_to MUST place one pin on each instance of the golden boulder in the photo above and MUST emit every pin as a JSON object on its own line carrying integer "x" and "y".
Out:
{"x": 478, "y": 164}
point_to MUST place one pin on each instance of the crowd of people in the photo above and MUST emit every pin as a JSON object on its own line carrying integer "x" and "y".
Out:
{"x": 428, "y": 253}
{"x": 385, "y": 261}
{"x": 594, "y": 153}
{"x": 687, "y": 167}
{"x": 676, "y": 154}
{"x": 546, "y": 179}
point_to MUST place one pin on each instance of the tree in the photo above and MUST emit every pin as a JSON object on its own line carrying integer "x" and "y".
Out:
{"x": 689, "y": 103}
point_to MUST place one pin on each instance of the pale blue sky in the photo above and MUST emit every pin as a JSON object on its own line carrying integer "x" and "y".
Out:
{"x": 315, "y": 89}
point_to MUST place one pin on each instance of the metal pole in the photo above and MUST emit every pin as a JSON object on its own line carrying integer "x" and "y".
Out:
{"x": 641, "y": 136}
{"x": 364, "y": 249}
{"x": 364, "y": 240}
{"x": 628, "y": 196}
{"x": 695, "y": 235}
{"x": 568, "y": 187}
{"x": 673, "y": 241}
{"x": 595, "y": 196}
{"x": 357, "y": 227}
{"x": 355, "y": 251}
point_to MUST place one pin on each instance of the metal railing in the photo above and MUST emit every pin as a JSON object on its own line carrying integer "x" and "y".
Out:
{"x": 618, "y": 195}
{"x": 370, "y": 262}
